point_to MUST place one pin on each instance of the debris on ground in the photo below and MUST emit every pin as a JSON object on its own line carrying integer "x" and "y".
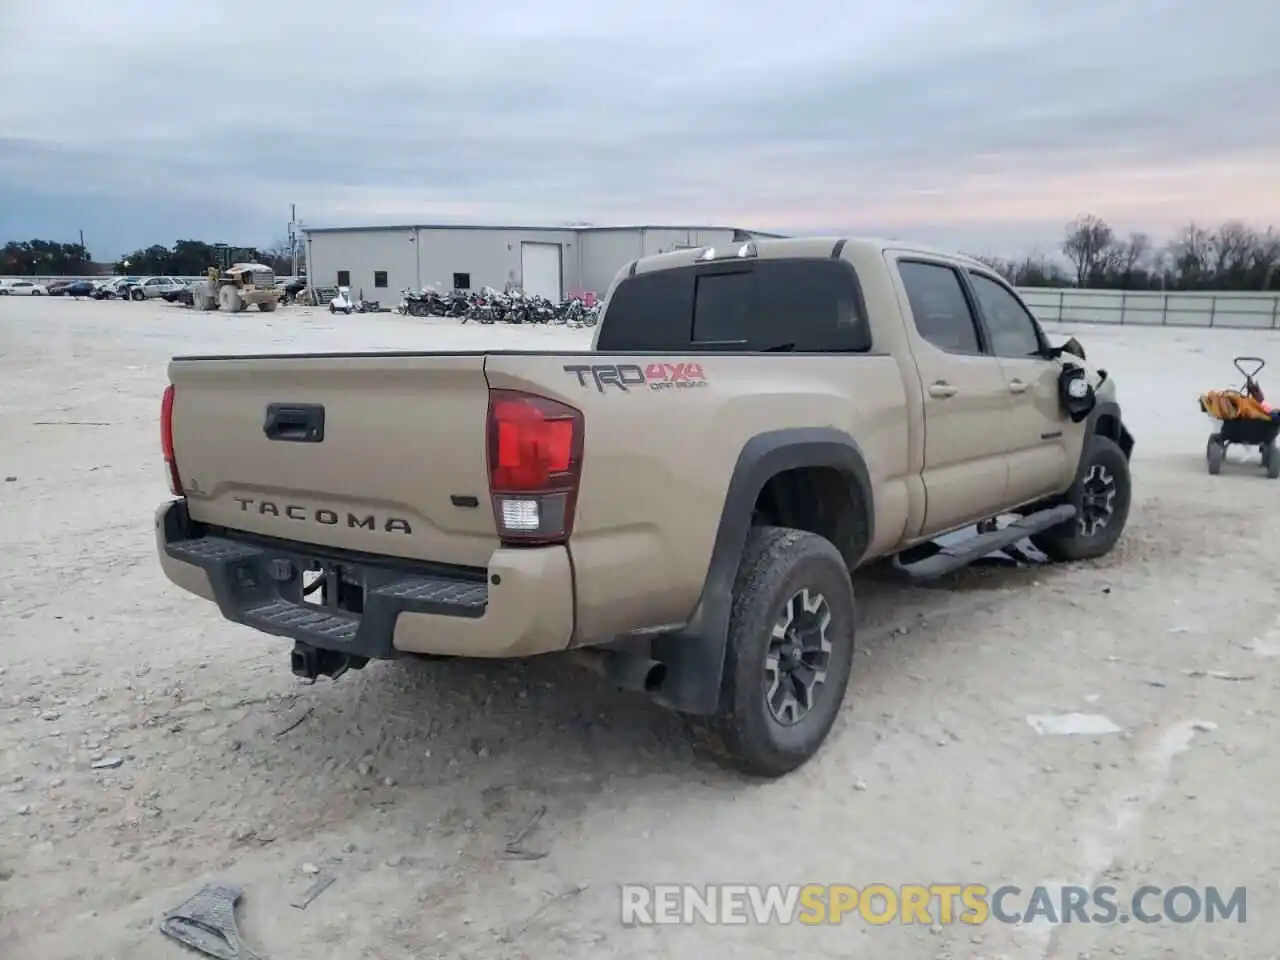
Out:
{"x": 107, "y": 763}
{"x": 1220, "y": 675}
{"x": 207, "y": 923}
{"x": 514, "y": 849}
{"x": 512, "y": 934}
{"x": 296, "y": 723}
{"x": 1072, "y": 724}
{"x": 320, "y": 886}
{"x": 70, "y": 423}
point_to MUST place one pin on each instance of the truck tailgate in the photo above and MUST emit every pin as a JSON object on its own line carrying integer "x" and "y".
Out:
{"x": 400, "y": 467}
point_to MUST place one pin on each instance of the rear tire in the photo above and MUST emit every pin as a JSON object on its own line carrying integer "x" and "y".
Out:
{"x": 137, "y": 295}
{"x": 1271, "y": 460}
{"x": 789, "y": 655}
{"x": 267, "y": 306}
{"x": 1101, "y": 496}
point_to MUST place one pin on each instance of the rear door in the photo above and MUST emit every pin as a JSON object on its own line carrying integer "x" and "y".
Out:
{"x": 1040, "y": 434}
{"x": 965, "y": 398}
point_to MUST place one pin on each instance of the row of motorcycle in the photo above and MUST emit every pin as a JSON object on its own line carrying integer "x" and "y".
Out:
{"x": 492, "y": 306}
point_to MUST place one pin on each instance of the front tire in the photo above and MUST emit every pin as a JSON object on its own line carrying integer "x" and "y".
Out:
{"x": 267, "y": 306}
{"x": 229, "y": 300}
{"x": 1102, "y": 496}
{"x": 1215, "y": 455}
{"x": 789, "y": 655}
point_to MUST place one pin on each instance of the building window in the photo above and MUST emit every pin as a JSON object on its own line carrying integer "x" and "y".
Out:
{"x": 379, "y": 278}
{"x": 462, "y": 281}
{"x": 344, "y": 278}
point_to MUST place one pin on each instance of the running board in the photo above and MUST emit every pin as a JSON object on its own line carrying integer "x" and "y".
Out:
{"x": 951, "y": 558}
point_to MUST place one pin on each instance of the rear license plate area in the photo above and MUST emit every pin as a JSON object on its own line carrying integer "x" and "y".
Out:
{"x": 332, "y": 586}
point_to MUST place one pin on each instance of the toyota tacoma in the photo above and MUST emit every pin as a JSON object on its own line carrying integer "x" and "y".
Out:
{"x": 680, "y": 507}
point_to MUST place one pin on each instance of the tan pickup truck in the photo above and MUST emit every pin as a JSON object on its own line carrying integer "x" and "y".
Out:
{"x": 681, "y": 506}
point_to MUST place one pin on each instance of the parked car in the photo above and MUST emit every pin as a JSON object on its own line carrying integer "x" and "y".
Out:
{"x": 113, "y": 288}
{"x": 181, "y": 292}
{"x": 75, "y": 288}
{"x": 58, "y": 287}
{"x": 24, "y": 288}
{"x": 153, "y": 288}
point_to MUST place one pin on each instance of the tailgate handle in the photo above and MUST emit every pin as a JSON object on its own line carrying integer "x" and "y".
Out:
{"x": 295, "y": 422}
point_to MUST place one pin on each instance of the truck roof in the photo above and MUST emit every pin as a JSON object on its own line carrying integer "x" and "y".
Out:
{"x": 809, "y": 246}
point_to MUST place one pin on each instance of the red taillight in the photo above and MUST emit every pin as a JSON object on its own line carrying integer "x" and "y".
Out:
{"x": 535, "y": 461}
{"x": 166, "y": 441}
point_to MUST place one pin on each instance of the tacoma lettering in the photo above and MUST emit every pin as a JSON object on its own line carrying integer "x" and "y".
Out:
{"x": 323, "y": 515}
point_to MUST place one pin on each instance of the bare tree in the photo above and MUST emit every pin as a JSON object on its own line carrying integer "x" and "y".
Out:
{"x": 1086, "y": 245}
{"x": 1130, "y": 257}
{"x": 280, "y": 258}
{"x": 1190, "y": 252}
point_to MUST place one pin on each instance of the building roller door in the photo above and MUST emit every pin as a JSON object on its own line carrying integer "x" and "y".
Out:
{"x": 540, "y": 270}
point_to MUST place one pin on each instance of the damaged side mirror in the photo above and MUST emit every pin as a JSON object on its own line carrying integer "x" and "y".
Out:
{"x": 1073, "y": 347}
{"x": 1075, "y": 394}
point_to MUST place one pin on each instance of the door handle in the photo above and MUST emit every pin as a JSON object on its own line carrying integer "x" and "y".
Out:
{"x": 300, "y": 423}
{"x": 941, "y": 389}
{"x": 1018, "y": 386}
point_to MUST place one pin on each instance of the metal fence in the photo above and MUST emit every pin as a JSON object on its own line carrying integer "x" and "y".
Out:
{"x": 1249, "y": 311}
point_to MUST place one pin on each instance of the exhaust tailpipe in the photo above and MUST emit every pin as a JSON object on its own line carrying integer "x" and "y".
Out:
{"x": 627, "y": 670}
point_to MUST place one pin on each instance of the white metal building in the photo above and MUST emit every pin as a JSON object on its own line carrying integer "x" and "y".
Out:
{"x": 553, "y": 262}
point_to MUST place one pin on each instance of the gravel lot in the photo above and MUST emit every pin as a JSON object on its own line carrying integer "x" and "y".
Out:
{"x": 406, "y": 780}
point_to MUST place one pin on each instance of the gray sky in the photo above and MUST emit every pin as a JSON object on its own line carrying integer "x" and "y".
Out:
{"x": 984, "y": 124}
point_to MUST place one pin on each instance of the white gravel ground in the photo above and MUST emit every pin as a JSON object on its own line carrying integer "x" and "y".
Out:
{"x": 405, "y": 780}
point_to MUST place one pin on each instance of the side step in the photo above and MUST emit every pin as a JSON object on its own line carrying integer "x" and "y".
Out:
{"x": 951, "y": 558}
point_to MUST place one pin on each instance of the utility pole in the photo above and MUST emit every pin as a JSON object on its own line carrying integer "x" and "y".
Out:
{"x": 293, "y": 237}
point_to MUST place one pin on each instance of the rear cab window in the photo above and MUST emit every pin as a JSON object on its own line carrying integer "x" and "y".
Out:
{"x": 797, "y": 305}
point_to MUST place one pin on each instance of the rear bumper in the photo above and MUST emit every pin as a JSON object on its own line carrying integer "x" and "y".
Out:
{"x": 521, "y": 606}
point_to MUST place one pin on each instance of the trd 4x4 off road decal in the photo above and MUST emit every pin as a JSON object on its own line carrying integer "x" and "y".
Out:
{"x": 624, "y": 376}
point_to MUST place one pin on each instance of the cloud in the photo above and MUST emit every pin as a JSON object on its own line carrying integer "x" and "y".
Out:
{"x": 978, "y": 124}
